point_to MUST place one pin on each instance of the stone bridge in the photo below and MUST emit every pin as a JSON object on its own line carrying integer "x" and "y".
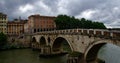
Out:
{"x": 86, "y": 41}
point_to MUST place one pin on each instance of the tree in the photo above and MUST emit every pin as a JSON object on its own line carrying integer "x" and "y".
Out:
{"x": 3, "y": 39}
{"x": 67, "y": 22}
{"x": 62, "y": 21}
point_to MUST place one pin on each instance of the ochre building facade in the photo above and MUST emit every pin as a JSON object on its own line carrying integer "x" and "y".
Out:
{"x": 16, "y": 27}
{"x": 3, "y": 23}
{"x": 37, "y": 23}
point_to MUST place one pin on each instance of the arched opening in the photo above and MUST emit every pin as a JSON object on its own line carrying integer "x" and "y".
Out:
{"x": 42, "y": 41}
{"x": 33, "y": 43}
{"x": 93, "y": 52}
{"x": 33, "y": 40}
{"x": 61, "y": 45}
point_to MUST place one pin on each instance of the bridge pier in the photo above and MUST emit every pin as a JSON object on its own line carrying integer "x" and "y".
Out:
{"x": 73, "y": 60}
{"x": 75, "y": 57}
{"x": 46, "y": 50}
{"x": 97, "y": 60}
{"x": 34, "y": 46}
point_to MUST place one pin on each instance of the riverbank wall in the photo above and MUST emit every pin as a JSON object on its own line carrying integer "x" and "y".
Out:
{"x": 17, "y": 40}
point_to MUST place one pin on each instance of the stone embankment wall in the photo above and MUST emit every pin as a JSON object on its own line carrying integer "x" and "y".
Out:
{"x": 23, "y": 41}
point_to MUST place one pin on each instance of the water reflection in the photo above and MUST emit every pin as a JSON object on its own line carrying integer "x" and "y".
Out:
{"x": 27, "y": 56}
{"x": 110, "y": 53}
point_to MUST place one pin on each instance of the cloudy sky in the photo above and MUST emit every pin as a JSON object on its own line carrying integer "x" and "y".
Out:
{"x": 106, "y": 11}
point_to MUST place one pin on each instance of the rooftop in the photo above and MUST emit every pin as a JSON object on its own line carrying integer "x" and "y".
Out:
{"x": 16, "y": 21}
{"x": 2, "y": 14}
{"x": 38, "y": 15}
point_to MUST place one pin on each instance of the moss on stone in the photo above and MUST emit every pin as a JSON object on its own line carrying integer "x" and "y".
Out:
{"x": 75, "y": 54}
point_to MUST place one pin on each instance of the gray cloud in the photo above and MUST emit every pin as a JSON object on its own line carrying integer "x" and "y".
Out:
{"x": 78, "y": 6}
{"x": 106, "y": 11}
{"x": 10, "y": 6}
{"x": 52, "y": 4}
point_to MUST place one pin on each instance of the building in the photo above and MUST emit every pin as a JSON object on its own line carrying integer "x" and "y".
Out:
{"x": 3, "y": 23}
{"x": 16, "y": 27}
{"x": 37, "y": 23}
{"x": 26, "y": 28}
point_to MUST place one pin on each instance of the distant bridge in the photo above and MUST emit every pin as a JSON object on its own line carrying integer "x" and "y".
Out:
{"x": 86, "y": 41}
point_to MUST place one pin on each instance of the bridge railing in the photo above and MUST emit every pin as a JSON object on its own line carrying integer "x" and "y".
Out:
{"x": 91, "y": 32}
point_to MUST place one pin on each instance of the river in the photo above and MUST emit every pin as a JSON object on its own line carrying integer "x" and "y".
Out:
{"x": 110, "y": 53}
{"x": 27, "y": 56}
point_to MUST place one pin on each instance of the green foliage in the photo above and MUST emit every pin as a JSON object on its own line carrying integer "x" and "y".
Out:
{"x": 3, "y": 39}
{"x": 67, "y": 22}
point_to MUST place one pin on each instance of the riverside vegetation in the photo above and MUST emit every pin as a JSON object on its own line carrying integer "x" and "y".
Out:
{"x": 5, "y": 45}
{"x": 68, "y": 22}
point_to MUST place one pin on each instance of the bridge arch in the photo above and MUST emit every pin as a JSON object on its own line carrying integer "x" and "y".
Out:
{"x": 57, "y": 43}
{"x": 91, "y": 52}
{"x": 42, "y": 41}
{"x": 33, "y": 40}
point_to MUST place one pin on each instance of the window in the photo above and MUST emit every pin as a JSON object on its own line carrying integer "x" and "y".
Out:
{"x": 38, "y": 30}
{"x": 34, "y": 30}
